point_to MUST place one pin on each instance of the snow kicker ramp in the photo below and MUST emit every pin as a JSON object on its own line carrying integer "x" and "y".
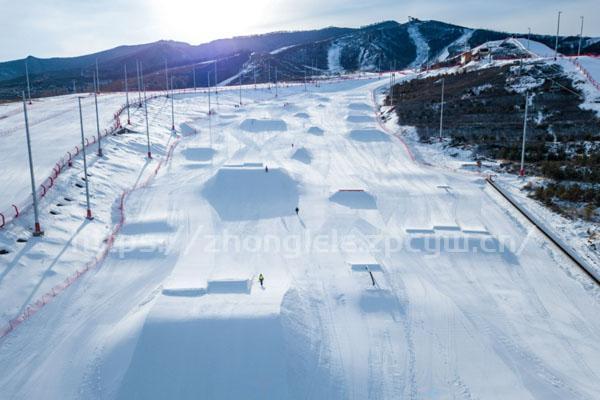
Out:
{"x": 258, "y": 345}
{"x": 240, "y": 357}
{"x": 250, "y": 193}
{"x": 302, "y": 155}
{"x": 263, "y": 125}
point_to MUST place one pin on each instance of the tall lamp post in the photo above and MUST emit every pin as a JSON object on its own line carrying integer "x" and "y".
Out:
{"x": 28, "y": 85}
{"x": 85, "y": 173}
{"x": 557, "y": 33}
{"x": 522, "y": 169}
{"x": 166, "y": 78}
{"x": 208, "y": 87}
{"x": 172, "y": 108}
{"x": 127, "y": 97}
{"x": 37, "y": 230}
{"x": 443, "y": 80}
{"x": 580, "y": 38}
{"x": 98, "y": 124}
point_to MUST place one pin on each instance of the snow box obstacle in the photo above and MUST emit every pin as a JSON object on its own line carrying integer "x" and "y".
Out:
{"x": 229, "y": 284}
{"x": 244, "y": 193}
{"x": 302, "y": 115}
{"x": 473, "y": 241}
{"x": 369, "y": 135}
{"x": 302, "y": 155}
{"x": 263, "y": 125}
{"x": 362, "y": 263}
{"x": 354, "y": 198}
{"x": 202, "y": 154}
{"x": 358, "y": 118}
{"x": 315, "y": 130}
{"x": 188, "y": 128}
{"x": 360, "y": 107}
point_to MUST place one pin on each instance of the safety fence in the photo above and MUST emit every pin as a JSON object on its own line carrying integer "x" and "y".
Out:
{"x": 585, "y": 72}
{"x": 16, "y": 210}
{"x": 109, "y": 241}
{"x": 385, "y": 129}
{"x": 592, "y": 273}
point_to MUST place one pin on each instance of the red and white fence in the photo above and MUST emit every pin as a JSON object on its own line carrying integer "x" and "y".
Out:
{"x": 584, "y": 71}
{"x": 16, "y": 210}
{"x": 109, "y": 241}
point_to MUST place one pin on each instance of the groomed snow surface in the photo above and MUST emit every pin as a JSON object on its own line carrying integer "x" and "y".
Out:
{"x": 468, "y": 300}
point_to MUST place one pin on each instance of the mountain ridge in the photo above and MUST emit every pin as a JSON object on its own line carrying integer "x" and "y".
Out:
{"x": 379, "y": 46}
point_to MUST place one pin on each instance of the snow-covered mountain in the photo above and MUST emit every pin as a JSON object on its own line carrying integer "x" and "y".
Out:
{"x": 382, "y": 46}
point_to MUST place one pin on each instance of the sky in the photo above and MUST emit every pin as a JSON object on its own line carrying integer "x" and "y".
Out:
{"x": 60, "y": 28}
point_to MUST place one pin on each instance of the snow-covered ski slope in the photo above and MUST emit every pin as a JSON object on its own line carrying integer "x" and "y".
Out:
{"x": 54, "y": 128}
{"x": 469, "y": 300}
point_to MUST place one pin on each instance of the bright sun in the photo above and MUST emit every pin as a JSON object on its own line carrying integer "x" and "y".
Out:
{"x": 198, "y": 21}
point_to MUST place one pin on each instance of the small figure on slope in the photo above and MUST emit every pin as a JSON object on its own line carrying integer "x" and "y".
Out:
{"x": 261, "y": 279}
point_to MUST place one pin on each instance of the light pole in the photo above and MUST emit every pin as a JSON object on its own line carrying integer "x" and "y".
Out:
{"x": 305, "y": 89}
{"x": 442, "y": 108}
{"x": 98, "y": 125}
{"x": 522, "y": 169}
{"x": 528, "y": 37}
{"x": 275, "y": 81}
{"x": 127, "y": 97}
{"x": 580, "y": 38}
{"x": 147, "y": 126}
{"x": 254, "y": 71}
{"x": 194, "y": 74}
{"x": 85, "y": 174}
{"x": 97, "y": 78}
{"x": 28, "y": 85}
{"x": 216, "y": 82}
{"x": 145, "y": 109}
{"x": 172, "y": 108}
{"x": 208, "y": 87}
{"x": 143, "y": 85}
{"x": 37, "y": 230}
{"x": 166, "y": 78}
{"x": 139, "y": 85}
{"x": 557, "y": 33}
{"x": 240, "y": 84}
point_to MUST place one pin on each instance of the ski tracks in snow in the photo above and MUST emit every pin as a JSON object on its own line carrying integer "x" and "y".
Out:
{"x": 420, "y": 44}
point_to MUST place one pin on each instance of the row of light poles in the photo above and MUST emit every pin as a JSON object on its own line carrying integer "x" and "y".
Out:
{"x": 37, "y": 230}
{"x": 527, "y": 101}
{"x": 558, "y": 33}
{"x": 527, "y": 96}
{"x": 141, "y": 89}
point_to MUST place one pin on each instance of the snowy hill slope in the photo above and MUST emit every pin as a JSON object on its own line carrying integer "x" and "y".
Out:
{"x": 468, "y": 300}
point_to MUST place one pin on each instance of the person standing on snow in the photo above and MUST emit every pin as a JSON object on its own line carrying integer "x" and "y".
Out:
{"x": 261, "y": 279}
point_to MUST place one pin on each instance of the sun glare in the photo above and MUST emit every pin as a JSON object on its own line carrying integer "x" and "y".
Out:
{"x": 198, "y": 21}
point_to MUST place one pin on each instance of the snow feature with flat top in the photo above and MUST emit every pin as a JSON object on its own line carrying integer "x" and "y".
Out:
{"x": 250, "y": 193}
